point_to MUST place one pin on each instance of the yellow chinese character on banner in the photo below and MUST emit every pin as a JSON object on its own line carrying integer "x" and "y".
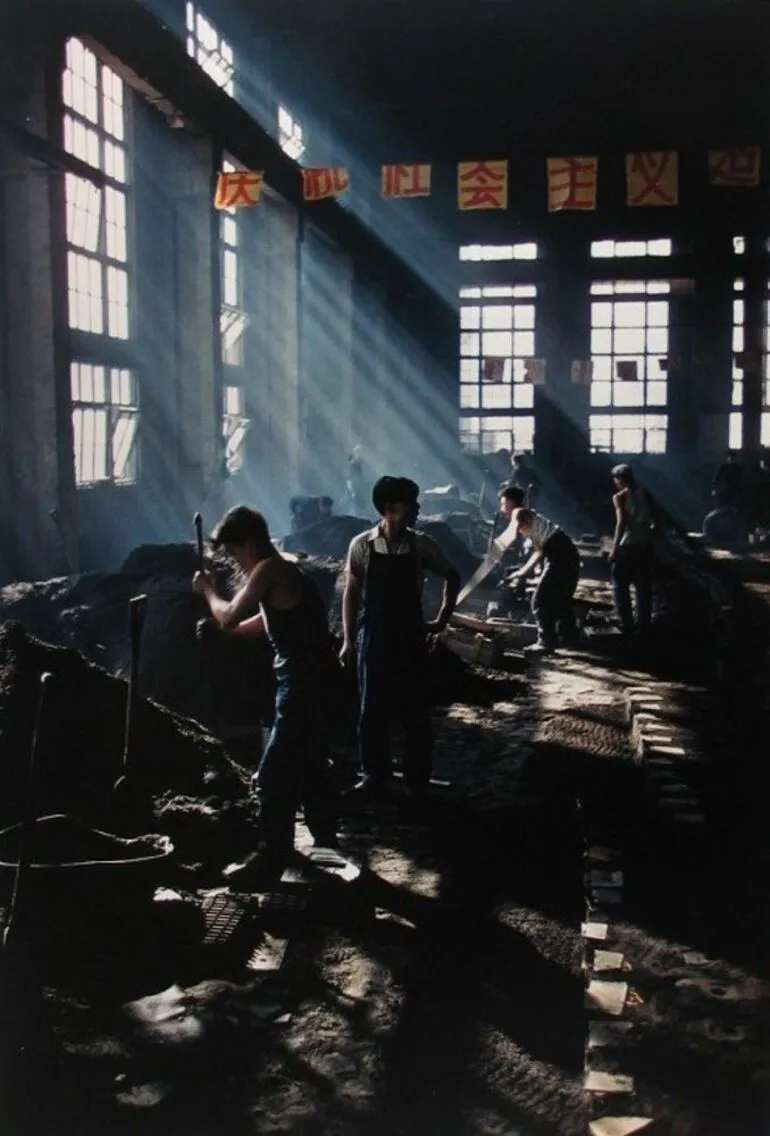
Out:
{"x": 482, "y": 185}
{"x": 734, "y": 167}
{"x": 411, "y": 180}
{"x": 652, "y": 177}
{"x": 323, "y": 182}
{"x": 237, "y": 189}
{"x": 572, "y": 183}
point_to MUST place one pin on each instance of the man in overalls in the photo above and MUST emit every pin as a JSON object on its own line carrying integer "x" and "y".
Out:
{"x": 383, "y": 622}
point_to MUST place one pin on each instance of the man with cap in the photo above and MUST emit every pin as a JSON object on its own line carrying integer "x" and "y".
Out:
{"x": 383, "y": 622}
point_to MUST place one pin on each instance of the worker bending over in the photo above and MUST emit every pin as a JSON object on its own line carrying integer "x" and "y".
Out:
{"x": 294, "y": 765}
{"x": 552, "y": 599}
{"x": 383, "y": 622}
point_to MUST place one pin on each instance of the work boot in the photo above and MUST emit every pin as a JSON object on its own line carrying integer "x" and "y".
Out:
{"x": 325, "y": 837}
{"x": 259, "y": 871}
{"x": 539, "y": 649}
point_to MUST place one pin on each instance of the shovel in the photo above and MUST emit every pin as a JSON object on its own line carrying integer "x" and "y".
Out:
{"x": 10, "y": 934}
{"x": 137, "y": 608}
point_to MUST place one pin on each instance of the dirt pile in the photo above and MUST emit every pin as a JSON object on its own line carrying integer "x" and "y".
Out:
{"x": 222, "y": 683}
{"x": 81, "y": 740}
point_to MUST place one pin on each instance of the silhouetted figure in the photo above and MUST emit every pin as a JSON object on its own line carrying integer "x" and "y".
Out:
{"x": 727, "y": 486}
{"x": 632, "y": 553}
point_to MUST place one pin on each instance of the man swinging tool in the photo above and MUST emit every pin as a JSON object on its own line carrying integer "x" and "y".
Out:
{"x": 552, "y": 600}
{"x": 294, "y": 766}
{"x": 382, "y": 616}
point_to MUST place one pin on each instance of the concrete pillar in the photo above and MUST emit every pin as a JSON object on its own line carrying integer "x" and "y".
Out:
{"x": 563, "y": 336}
{"x": 28, "y": 358}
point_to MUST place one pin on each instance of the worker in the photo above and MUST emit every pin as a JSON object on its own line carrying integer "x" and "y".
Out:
{"x": 524, "y": 477}
{"x": 631, "y": 555}
{"x": 294, "y": 765}
{"x": 383, "y": 622}
{"x": 552, "y": 599}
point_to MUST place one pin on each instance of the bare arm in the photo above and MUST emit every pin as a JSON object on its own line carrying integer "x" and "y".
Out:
{"x": 448, "y": 601}
{"x": 533, "y": 561}
{"x": 351, "y": 603}
{"x": 619, "y": 501}
{"x": 248, "y": 628}
{"x": 228, "y": 613}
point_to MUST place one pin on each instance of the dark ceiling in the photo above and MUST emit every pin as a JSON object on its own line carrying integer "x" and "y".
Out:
{"x": 473, "y": 78}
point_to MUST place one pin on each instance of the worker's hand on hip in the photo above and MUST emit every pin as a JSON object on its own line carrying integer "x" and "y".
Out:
{"x": 202, "y": 582}
{"x": 346, "y": 655}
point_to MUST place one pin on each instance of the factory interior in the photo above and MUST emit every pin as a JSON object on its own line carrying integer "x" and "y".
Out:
{"x": 385, "y": 568}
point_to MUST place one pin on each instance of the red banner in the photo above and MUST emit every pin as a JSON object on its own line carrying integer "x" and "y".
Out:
{"x": 482, "y": 185}
{"x": 237, "y": 189}
{"x": 652, "y": 177}
{"x": 324, "y": 182}
{"x": 411, "y": 180}
{"x": 572, "y": 183}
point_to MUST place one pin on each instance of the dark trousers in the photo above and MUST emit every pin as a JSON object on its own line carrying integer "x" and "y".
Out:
{"x": 393, "y": 689}
{"x": 552, "y": 599}
{"x": 294, "y": 768}
{"x": 633, "y": 565}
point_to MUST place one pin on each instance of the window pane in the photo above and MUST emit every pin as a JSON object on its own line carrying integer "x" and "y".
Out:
{"x": 470, "y": 318}
{"x": 657, "y": 313}
{"x": 469, "y": 343}
{"x": 496, "y": 343}
{"x": 601, "y": 342}
{"x": 657, "y": 341}
{"x": 524, "y": 317}
{"x": 601, "y": 393}
{"x": 469, "y": 370}
{"x": 629, "y": 440}
{"x": 523, "y": 396}
{"x": 524, "y": 344}
{"x": 601, "y": 314}
{"x": 498, "y": 316}
{"x": 656, "y": 394}
{"x": 628, "y": 341}
{"x": 496, "y": 396}
{"x": 630, "y": 314}
{"x": 629, "y": 394}
{"x": 469, "y": 396}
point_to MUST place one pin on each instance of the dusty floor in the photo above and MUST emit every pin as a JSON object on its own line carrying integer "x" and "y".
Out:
{"x": 443, "y": 992}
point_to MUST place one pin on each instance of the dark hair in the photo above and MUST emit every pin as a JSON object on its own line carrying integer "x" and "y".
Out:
{"x": 394, "y": 491}
{"x": 326, "y": 502}
{"x": 514, "y": 494}
{"x": 624, "y": 472}
{"x": 239, "y": 526}
{"x": 518, "y": 457}
{"x": 526, "y": 516}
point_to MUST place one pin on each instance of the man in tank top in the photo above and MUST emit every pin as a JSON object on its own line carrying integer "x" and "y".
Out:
{"x": 294, "y": 766}
{"x": 632, "y": 552}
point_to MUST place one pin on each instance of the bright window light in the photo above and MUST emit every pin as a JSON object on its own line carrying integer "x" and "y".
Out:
{"x": 210, "y": 50}
{"x": 607, "y": 249}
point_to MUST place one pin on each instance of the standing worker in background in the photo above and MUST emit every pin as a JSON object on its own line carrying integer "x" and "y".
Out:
{"x": 294, "y": 766}
{"x": 525, "y": 478}
{"x": 631, "y": 556}
{"x": 552, "y": 599}
{"x": 382, "y": 619}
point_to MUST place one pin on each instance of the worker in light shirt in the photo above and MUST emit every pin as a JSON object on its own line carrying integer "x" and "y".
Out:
{"x": 552, "y": 600}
